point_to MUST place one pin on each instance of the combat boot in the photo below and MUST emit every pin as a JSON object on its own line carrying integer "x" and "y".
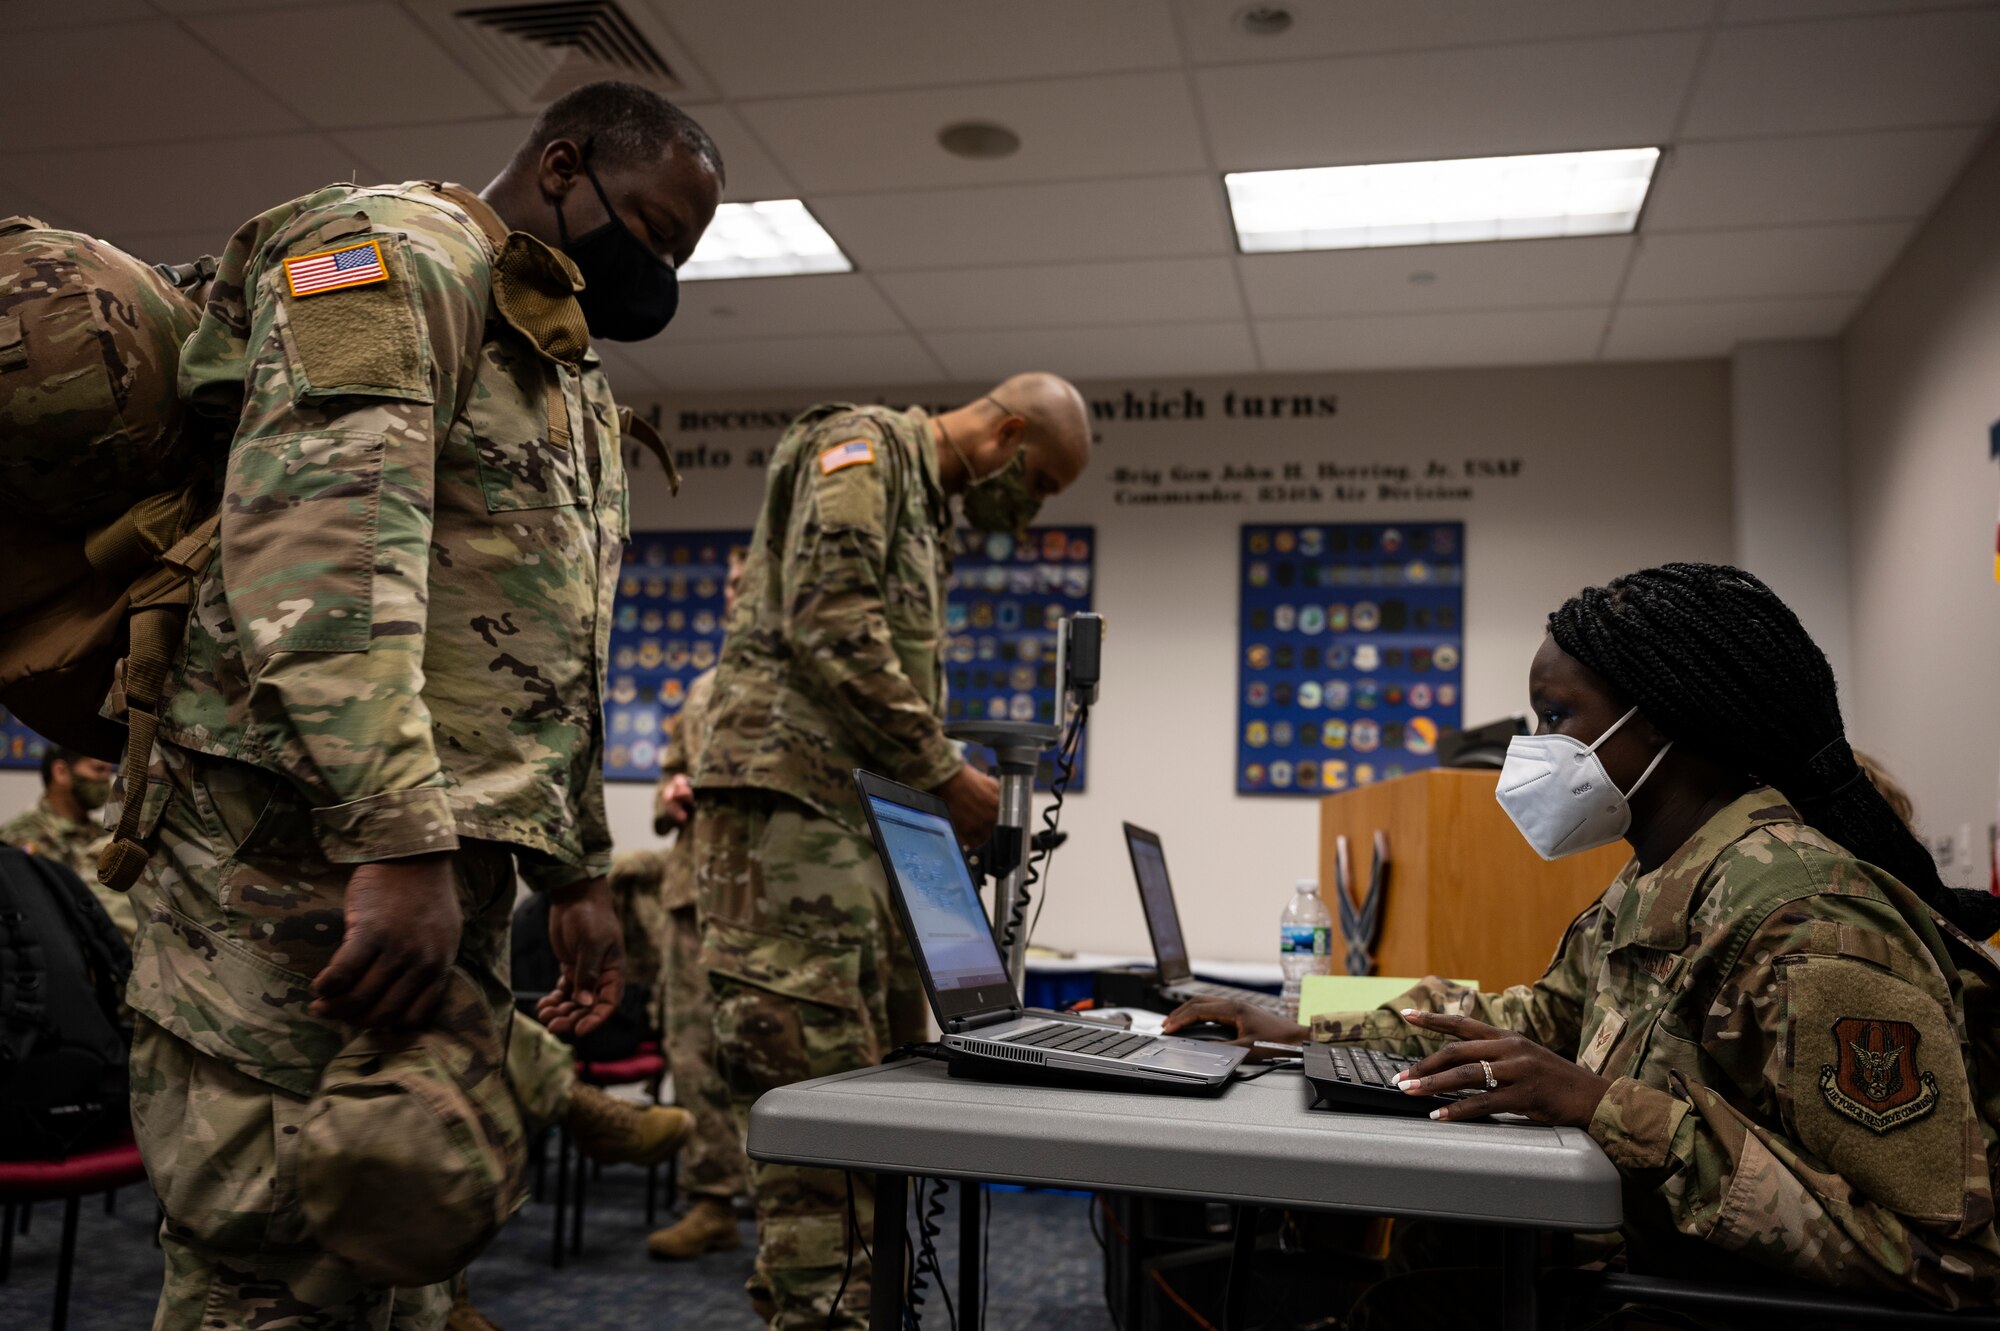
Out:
{"x": 465, "y": 1317}
{"x": 612, "y": 1131}
{"x": 708, "y": 1226}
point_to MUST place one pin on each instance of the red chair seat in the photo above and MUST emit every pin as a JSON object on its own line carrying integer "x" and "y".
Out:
{"x": 621, "y": 1071}
{"x": 92, "y": 1171}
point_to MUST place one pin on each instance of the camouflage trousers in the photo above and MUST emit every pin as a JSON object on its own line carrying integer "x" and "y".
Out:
{"x": 712, "y": 1162}
{"x": 542, "y": 1070}
{"x": 238, "y": 912}
{"x": 811, "y": 976}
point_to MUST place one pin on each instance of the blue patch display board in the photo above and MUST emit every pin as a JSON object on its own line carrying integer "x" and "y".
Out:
{"x": 19, "y": 746}
{"x": 665, "y": 630}
{"x": 1005, "y": 598}
{"x": 1351, "y": 652}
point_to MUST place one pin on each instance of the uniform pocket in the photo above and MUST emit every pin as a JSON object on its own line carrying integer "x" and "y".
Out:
{"x": 361, "y": 340}
{"x": 526, "y": 460}
{"x": 300, "y": 518}
{"x": 786, "y": 1008}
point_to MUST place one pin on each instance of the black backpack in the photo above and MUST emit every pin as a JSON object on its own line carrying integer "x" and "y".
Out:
{"x": 63, "y": 965}
{"x": 536, "y": 971}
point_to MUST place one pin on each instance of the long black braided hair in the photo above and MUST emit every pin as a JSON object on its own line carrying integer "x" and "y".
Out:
{"x": 1718, "y": 663}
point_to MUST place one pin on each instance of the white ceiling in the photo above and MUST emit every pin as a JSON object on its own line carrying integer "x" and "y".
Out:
{"x": 1805, "y": 139}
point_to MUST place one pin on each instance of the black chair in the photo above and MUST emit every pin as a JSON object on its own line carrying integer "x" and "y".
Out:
{"x": 1783, "y": 1305}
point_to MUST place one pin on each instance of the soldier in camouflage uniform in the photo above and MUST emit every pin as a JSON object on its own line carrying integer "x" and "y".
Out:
{"x": 388, "y": 704}
{"x": 714, "y": 1170}
{"x": 834, "y": 661}
{"x": 61, "y": 826}
{"x": 1766, "y": 1030}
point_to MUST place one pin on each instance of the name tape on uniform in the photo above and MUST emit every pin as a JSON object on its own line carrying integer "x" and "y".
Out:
{"x": 850, "y": 454}
{"x": 332, "y": 270}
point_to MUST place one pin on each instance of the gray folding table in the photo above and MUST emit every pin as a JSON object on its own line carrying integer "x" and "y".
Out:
{"x": 1255, "y": 1145}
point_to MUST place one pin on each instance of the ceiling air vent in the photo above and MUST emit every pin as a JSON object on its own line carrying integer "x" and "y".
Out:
{"x": 537, "y": 52}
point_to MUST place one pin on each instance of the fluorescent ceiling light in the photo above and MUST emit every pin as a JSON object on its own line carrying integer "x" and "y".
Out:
{"x": 772, "y": 238}
{"x": 1441, "y": 203}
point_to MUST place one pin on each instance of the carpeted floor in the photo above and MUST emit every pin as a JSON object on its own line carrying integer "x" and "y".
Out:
{"x": 1047, "y": 1271}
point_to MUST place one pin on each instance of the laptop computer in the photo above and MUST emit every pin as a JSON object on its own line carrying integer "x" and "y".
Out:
{"x": 1163, "y": 922}
{"x": 984, "y": 1026}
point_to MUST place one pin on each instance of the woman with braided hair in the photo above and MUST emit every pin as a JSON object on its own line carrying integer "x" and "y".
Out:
{"x": 1763, "y": 1020}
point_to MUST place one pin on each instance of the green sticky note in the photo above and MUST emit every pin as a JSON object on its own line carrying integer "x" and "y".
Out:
{"x": 1352, "y": 993}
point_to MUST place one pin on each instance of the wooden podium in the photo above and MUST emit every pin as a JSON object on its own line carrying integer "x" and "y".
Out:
{"x": 1467, "y": 897}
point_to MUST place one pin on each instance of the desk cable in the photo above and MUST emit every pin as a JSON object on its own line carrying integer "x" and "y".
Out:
{"x": 1038, "y": 858}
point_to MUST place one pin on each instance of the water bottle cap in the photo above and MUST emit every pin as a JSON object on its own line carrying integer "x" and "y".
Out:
{"x": 1309, "y": 885}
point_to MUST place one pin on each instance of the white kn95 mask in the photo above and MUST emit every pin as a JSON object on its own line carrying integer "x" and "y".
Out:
{"x": 1557, "y": 792}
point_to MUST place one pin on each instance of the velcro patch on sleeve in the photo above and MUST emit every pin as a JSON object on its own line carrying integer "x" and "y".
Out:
{"x": 333, "y": 270}
{"x": 852, "y": 453}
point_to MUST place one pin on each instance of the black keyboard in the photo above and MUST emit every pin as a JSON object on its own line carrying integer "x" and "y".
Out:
{"x": 1348, "y": 1077}
{"x": 1073, "y": 1038}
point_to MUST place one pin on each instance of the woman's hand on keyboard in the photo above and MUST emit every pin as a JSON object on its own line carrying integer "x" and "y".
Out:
{"x": 1250, "y": 1023}
{"x": 1529, "y": 1080}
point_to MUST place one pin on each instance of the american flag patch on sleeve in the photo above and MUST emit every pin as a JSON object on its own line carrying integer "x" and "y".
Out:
{"x": 353, "y": 266}
{"x": 849, "y": 454}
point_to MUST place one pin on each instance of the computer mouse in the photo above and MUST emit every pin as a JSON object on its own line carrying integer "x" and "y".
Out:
{"x": 1206, "y": 1030}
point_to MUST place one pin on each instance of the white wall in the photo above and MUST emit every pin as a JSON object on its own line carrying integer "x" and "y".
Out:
{"x": 1789, "y": 483}
{"x": 1922, "y": 366}
{"x": 1620, "y": 466}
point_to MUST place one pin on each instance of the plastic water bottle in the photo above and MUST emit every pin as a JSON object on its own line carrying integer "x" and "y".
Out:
{"x": 1305, "y": 939}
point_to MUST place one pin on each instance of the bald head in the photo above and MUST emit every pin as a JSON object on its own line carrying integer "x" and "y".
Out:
{"x": 1039, "y": 412}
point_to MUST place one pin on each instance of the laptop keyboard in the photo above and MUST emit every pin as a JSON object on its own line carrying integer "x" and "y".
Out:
{"x": 1202, "y": 989}
{"x": 1070, "y": 1038}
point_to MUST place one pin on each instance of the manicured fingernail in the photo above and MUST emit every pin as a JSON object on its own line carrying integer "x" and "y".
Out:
{"x": 1437, "y": 1113}
{"x": 1409, "y": 1012}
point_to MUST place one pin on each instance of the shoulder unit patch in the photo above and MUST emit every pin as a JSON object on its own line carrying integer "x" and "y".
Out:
{"x": 852, "y": 453}
{"x": 1876, "y": 1083}
{"x": 331, "y": 270}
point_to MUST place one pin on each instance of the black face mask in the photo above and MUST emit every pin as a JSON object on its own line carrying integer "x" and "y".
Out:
{"x": 629, "y": 293}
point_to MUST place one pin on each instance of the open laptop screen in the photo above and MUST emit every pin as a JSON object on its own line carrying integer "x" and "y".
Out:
{"x": 1156, "y": 895}
{"x": 951, "y": 937}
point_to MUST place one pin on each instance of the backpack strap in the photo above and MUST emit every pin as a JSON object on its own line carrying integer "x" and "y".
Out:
{"x": 160, "y": 605}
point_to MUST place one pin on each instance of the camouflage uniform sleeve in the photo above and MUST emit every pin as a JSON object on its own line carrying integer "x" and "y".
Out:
{"x": 833, "y": 592}
{"x": 1841, "y": 1143}
{"x": 1549, "y": 1011}
{"x": 345, "y": 397}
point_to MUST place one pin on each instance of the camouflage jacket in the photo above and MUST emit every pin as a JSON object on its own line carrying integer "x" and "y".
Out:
{"x": 1793, "y": 1077}
{"x": 410, "y": 607}
{"x": 686, "y": 736}
{"x": 833, "y": 659}
{"x": 45, "y": 832}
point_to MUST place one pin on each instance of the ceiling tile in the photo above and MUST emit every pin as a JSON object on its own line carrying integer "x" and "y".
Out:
{"x": 1785, "y": 261}
{"x": 221, "y": 6}
{"x": 1070, "y": 129}
{"x": 1058, "y": 295}
{"x": 409, "y": 76}
{"x": 1822, "y": 178}
{"x": 1864, "y": 73}
{"x": 803, "y": 363}
{"x": 1021, "y": 224}
{"x": 767, "y": 48}
{"x": 1761, "y": 11}
{"x": 1409, "y": 280}
{"x": 143, "y": 191}
{"x": 472, "y": 152}
{"x": 1422, "y": 341}
{"x": 1098, "y": 353}
{"x": 27, "y": 15}
{"x": 58, "y": 99}
{"x": 783, "y": 307}
{"x": 1358, "y": 26}
{"x": 1555, "y": 96}
{"x": 1713, "y": 328}
{"x": 629, "y": 378}
{"x": 172, "y": 246}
